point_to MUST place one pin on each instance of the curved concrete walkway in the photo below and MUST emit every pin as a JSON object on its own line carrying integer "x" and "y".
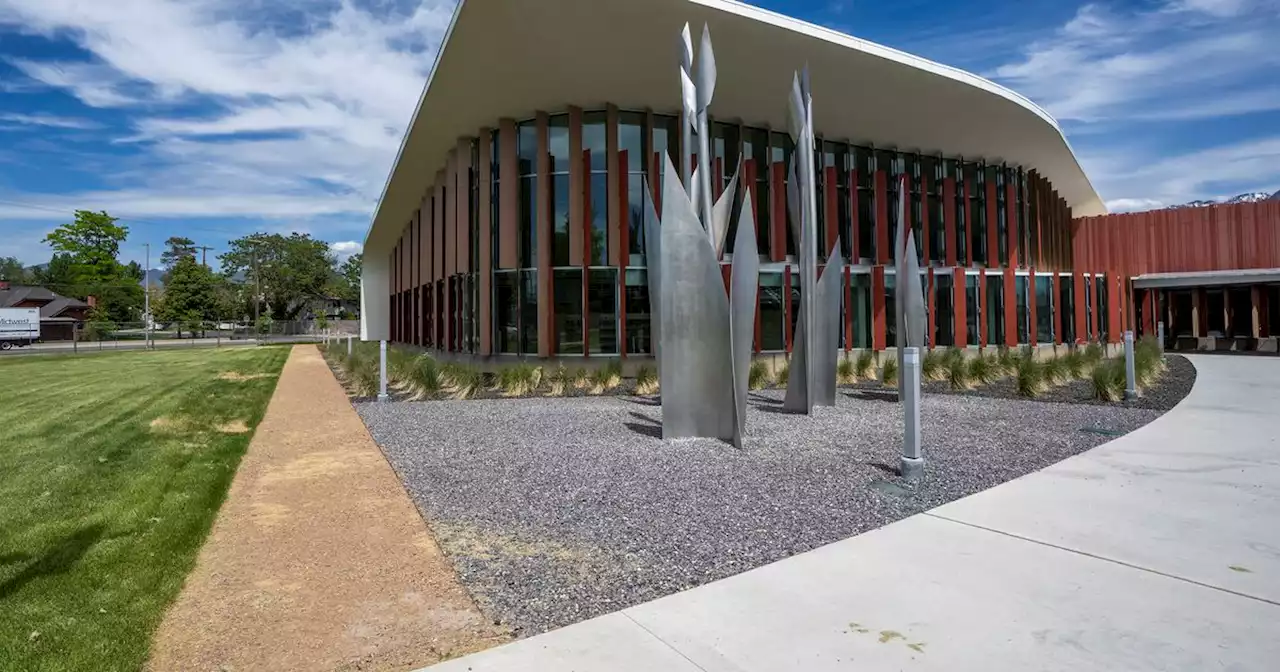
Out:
{"x": 1157, "y": 551}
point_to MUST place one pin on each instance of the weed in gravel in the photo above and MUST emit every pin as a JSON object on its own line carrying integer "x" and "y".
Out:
{"x": 1030, "y": 377}
{"x": 866, "y": 366}
{"x": 1109, "y": 380}
{"x": 646, "y": 380}
{"x": 758, "y": 376}
{"x": 845, "y": 371}
{"x": 889, "y": 372}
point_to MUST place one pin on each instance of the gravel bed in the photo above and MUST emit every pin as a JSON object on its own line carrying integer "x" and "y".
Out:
{"x": 1174, "y": 385}
{"x": 558, "y": 510}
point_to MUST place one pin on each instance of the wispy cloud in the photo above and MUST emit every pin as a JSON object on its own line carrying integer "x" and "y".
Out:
{"x": 49, "y": 120}
{"x": 235, "y": 108}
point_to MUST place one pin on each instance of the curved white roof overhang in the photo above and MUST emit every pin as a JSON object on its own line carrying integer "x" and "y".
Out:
{"x": 510, "y": 59}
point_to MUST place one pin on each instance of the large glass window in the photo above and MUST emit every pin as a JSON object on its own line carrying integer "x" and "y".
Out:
{"x": 887, "y": 161}
{"x": 836, "y": 155}
{"x": 890, "y": 310}
{"x": 494, "y": 203}
{"x": 1021, "y": 291}
{"x": 864, "y": 162}
{"x": 995, "y": 310}
{"x": 1067, "y": 299}
{"x": 595, "y": 141}
{"x": 560, "y": 219}
{"x": 1044, "y": 308}
{"x": 860, "y": 306}
{"x": 639, "y": 326}
{"x": 631, "y": 141}
{"x": 937, "y": 227}
{"x": 772, "y": 313}
{"x": 755, "y": 147}
{"x": 602, "y": 310}
{"x": 529, "y": 312}
{"x": 944, "y": 310}
{"x": 527, "y": 150}
{"x": 975, "y": 180}
{"x": 1104, "y": 317}
{"x": 999, "y": 175}
{"x": 568, "y": 310}
{"x": 796, "y": 299}
{"x": 1087, "y": 328}
{"x": 972, "y": 310}
{"x": 953, "y": 169}
{"x": 780, "y": 150}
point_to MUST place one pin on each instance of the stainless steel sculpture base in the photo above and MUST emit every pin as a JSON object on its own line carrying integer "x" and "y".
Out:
{"x": 826, "y": 340}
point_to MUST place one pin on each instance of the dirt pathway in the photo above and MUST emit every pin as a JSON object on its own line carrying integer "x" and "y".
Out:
{"x": 318, "y": 559}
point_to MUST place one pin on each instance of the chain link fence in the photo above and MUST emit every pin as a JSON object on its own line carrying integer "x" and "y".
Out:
{"x": 88, "y": 337}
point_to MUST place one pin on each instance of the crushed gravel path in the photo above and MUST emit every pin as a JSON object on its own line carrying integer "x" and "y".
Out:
{"x": 559, "y": 510}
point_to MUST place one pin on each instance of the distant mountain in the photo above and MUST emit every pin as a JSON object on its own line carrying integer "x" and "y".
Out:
{"x": 1251, "y": 197}
{"x": 156, "y": 276}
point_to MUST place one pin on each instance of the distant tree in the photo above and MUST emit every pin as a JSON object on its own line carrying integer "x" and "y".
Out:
{"x": 86, "y": 252}
{"x": 12, "y": 270}
{"x": 348, "y": 284}
{"x": 59, "y": 276}
{"x": 190, "y": 296}
{"x": 176, "y": 248}
{"x": 291, "y": 270}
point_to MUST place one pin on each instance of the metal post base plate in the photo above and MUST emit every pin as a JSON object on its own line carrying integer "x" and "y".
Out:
{"x": 912, "y": 468}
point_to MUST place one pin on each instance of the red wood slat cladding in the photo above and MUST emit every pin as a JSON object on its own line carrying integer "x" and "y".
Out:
{"x": 1216, "y": 238}
{"x": 856, "y": 252}
{"x": 882, "y": 218}
{"x": 778, "y": 217}
{"x": 1010, "y": 308}
{"x": 993, "y": 241}
{"x": 1011, "y": 222}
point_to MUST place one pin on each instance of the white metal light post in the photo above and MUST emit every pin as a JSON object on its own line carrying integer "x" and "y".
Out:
{"x": 146, "y": 300}
{"x": 912, "y": 459}
{"x": 382, "y": 370}
{"x": 349, "y": 346}
{"x": 1130, "y": 384}
{"x": 1160, "y": 335}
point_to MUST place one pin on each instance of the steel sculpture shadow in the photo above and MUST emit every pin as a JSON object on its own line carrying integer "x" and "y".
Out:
{"x": 812, "y": 380}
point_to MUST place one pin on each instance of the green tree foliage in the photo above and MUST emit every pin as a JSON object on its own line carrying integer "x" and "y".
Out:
{"x": 190, "y": 296}
{"x": 86, "y": 252}
{"x": 12, "y": 270}
{"x": 176, "y": 249}
{"x": 348, "y": 282}
{"x": 291, "y": 270}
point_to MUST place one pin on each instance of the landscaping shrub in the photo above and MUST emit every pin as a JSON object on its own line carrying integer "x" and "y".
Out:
{"x": 1007, "y": 361}
{"x": 461, "y": 381}
{"x": 647, "y": 380}
{"x": 581, "y": 378}
{"x": 400, "y": 363}
{"x": 362, "y": 374}
{"x": 558, "y": 382}
{"x": 782, "y": 374}
{"x": 1077, "y": 368}
{"x": 424, "y": 379}
{"x": 758, "y": 376}
{"x": 607, "y": 377}
{"x": 957, "y": 371}
{"x": 845, "y": 374}
{"x": 519, "y": 380}
{"x": 866, "y": 367}
{"x": 1030, "y": 377}
{"x": 1109, "y": 379}
{"x": 1093, "y": 353}
{"x": 1056, "y": 371}
{"x": 933, "y": 366}
{"x": 1148, "y": 362}
{"x": 889, "y": 373}
{"x": 984, "y": 370}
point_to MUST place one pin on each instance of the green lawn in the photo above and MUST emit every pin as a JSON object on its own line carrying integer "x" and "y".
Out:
{"x": 103, "y": 507}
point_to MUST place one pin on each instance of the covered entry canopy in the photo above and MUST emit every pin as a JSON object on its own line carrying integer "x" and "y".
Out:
{"x": 1249, "y": 276}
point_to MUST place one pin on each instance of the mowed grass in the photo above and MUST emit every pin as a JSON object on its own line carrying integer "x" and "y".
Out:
{"x": 112, "y": 468}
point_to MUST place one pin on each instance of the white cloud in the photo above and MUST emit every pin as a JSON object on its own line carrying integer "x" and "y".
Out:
{"x": 49, "y": 120}
{"x": 345, "y": 249}
{"x": 1214, "y": 173}
{"x": 1161, "y": 63}
{"x": 300, "y": 116}
{"x": 1134, "y": 204}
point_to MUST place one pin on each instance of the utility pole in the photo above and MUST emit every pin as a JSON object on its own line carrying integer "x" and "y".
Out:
{"x": 146, "y": 298}
{"x": 204, "y": 251}
{"x": 257, "y": 287}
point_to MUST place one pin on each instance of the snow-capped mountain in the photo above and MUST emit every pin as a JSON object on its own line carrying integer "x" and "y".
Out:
{"x": 1251, "y": 197}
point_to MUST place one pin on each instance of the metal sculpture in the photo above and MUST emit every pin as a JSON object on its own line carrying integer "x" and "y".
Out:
{"x": 812, "y": 379}
{"x": 704, "y": 383}
{"x": 909, "y": 309}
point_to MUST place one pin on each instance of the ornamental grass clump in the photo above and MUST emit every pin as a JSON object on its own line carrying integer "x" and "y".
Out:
{"x": 647, "y": 381}
{"x": 1076, "y": 366}
{"x": 781, "y": 374}
{"x": 758, "y": 376}
{"x": 889, "y": 372}
{"x": 519, "y": 380}
{"x": 1093, "y": 353}
{"x": 1148, "y": 362}
{"x": 1007, "y": 361}
{"x": 558, "y": 382}
{"x": 1109, "y": 379}
{"x": 933, "y": 366}
{"x": 957, "y": 370}
{"x": 461, "y": 381}
{"x": 580, "y": 378}
{"x": 1057, "y": 371}
{"x": 845, "y": 372}
{"x": 606, "y": 378}
{"x": 1030, "y": 377}
{"x": 424, "y": 380}
{"x": 866, "y": 366}
{"x": 984, "y": 370}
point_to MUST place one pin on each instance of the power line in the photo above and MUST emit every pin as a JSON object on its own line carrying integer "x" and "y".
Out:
{"x": 136, "y": 220}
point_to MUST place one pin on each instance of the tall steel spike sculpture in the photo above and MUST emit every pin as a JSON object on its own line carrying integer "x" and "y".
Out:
{"x": 704, "y": 383}
{"x": 909, "y": 313}
{"x": 813, "y": 359}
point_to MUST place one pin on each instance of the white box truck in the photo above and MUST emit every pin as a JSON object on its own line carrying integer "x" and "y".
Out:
{"x": 19, "y": 327}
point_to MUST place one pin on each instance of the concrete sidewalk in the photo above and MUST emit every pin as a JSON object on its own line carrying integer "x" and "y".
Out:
{"x": 1157, "y": 551}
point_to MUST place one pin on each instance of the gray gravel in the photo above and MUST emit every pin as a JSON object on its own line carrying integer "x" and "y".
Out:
{"x": 558, "y": 510}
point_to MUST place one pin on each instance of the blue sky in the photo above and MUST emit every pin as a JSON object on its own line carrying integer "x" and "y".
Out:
{"x": 216, "y": 118}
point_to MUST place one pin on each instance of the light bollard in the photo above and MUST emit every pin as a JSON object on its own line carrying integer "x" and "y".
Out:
{"x": 1160, "y": 334}
{"x": 348, "y": 346}
{"x": 1130, "y": 372}
{"x": 909, "y": 375}
{"x": 382, "y": 370}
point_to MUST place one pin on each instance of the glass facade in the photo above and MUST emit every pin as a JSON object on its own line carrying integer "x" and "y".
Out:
{"x": 599, "y": 302}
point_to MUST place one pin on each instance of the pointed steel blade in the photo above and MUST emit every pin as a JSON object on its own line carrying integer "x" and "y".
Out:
{"x": 721, "y": 211}
{"x": 706, "y": 71}
{"x": 686, "y": 49}
{"x": 689, "y": 98}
